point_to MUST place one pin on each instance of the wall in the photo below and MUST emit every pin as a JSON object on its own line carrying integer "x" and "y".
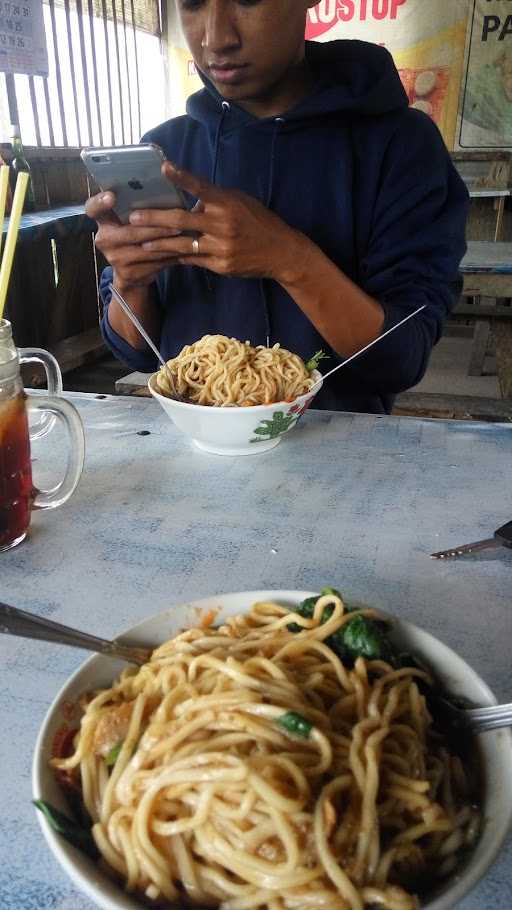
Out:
{"x": 453, "y": 57}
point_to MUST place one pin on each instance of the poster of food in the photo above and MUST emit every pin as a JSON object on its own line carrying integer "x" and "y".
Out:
{"x": 426, "y": 40}
{"x": 486, "y": 115}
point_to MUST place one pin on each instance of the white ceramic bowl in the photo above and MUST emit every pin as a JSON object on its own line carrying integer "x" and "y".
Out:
{"x": 453, "y": 672}
{"x": 235, "y": 431}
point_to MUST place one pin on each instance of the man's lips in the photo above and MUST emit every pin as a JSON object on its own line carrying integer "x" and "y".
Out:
{"x": 226, "y": 72}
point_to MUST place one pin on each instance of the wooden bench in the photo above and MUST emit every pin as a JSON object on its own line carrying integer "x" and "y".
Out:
{"x": 487, "y": 266}
{"x": 487, "y": 274}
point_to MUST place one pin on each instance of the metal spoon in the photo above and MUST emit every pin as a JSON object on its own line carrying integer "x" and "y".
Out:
{"x": 140, "y": 328}
{"x": 28, "y": 625}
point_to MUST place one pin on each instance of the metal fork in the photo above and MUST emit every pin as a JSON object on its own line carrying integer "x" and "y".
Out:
{"x": 28, "y": 625}
{"x": 478, "y": 720}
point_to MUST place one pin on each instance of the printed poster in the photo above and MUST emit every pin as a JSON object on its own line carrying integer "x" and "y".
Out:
{"x": 486, "y": 116}
{"x": 22, "y": 38}
{"x": 425, "y": 37}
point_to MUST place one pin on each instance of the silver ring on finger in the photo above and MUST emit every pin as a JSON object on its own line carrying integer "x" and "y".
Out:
{"x": 195, "y": 247}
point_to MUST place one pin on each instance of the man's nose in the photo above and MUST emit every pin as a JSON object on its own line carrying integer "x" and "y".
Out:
{"x": 220, "y": 33}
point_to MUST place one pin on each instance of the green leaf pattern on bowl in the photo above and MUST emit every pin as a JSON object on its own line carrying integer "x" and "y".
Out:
{"x": 269, "y": 429}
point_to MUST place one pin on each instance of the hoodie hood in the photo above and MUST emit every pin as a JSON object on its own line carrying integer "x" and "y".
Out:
{"x": 354, "y": 77}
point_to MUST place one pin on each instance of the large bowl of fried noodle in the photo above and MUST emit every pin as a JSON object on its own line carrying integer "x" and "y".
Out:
{"x": 281, "y": 753}
{"x": 231, "y": 398}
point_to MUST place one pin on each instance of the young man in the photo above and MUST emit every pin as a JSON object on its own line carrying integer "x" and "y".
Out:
{"x": 326, "y": 208}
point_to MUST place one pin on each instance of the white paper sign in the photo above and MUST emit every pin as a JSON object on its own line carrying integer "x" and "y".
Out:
{"x": 22, "y": 38}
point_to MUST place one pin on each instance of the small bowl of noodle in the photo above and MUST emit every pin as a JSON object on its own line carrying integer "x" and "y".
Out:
{"x": 259, "y": 761}
{"x": 232, "y": 398}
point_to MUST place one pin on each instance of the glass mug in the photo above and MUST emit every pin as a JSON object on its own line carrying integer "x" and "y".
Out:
{"x": 18, "y": 497}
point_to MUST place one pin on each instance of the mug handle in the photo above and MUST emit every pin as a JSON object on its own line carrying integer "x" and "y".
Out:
{"x": 59, "y": 408}
{"x": 46, "y": 421}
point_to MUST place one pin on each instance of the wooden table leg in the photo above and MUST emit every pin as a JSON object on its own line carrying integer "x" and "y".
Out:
{"x": 502, "y": 329}
{"x": 479, "y": 347}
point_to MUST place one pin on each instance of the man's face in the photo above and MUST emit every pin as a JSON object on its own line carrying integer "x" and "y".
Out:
{"x": 245, "y": 47}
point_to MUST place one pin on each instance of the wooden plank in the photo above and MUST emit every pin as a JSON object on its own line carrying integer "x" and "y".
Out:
{"x": 133, "y": 384}
{"x": 479, "y": 347}
{"x": 75, "y": 307}
{"x": 30, "y": 295}
{"x": 487, "y": 285}
{"x": 491, "y": 193}
{"x": 453, "y": 407}
{"x": 487, "y": 257}
{"x": 79, "y": 349}
{"x": 482, "y": 310}
{"x": 503, "y": 335}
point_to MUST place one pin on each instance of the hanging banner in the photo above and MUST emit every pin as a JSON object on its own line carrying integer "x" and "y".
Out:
{"x": 487, "y": 97}
{"x": 23, "y": 38}
{"x": 426, "y": 40}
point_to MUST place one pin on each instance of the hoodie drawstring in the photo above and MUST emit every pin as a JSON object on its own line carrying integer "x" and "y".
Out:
{"x": 218, "y": 133}
{"x": 270, "y": 188}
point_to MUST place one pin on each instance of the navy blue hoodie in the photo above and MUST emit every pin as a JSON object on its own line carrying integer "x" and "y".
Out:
{"x": 367, "y": 178}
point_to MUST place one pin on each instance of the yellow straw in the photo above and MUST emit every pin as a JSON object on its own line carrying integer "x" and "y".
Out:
{"x": 4, "y": 183}
{"x": 12, "y": 236}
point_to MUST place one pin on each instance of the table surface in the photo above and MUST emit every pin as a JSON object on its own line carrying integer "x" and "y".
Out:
{"x": 488, "y": 192}
{"x": 487, "y": 256}
{"x": 66, "y": 219}
{"x": 353, "y": 501}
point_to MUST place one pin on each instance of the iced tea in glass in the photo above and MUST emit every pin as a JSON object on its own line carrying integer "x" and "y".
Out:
{"x": 15, "y": 472}
{"x": 17, "y": 494}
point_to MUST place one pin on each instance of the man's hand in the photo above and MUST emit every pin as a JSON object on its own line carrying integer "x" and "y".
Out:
{"x": 121, "y": 245}
{"x": 228, "y": 232}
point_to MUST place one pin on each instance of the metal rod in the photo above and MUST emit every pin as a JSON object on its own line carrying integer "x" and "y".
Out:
{"x": 127, "y": 68}
{"x": 35, "y": 115}
{"x": 12, "y": 101}
{"x": 57, "y": 73}
{"x": 48, "y": 109}
{"x": 367, "y": 347}
{"x": 136, "y": 67}
{"x": 109, "y": 80}
{"x": 72, "y": 67}
{"x": 118, "y": 61}
{"x": 95, "y": 68}
{"x": 85, "y": 73}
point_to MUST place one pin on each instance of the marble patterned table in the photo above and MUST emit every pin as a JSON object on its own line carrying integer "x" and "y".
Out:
{"x": 353, "y": 501}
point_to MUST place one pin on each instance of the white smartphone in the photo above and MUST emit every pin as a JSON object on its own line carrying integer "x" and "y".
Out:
{"x": 133, "y": 173}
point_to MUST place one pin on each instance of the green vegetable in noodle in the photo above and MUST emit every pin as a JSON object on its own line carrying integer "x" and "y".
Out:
{"x": 113, "y": 755}
{"x": 360, "y": 637}
{"x": 296, "y": 724}
{"x": 307, "y": 608}
{"x": 363, "y": 638}
{"x": 312, "y": 363}
{"x": 75, "y": 834}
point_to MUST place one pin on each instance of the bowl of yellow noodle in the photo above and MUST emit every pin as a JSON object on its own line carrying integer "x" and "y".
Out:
{"x": 278, "y": 752}
{"x": 232, "y": 398}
